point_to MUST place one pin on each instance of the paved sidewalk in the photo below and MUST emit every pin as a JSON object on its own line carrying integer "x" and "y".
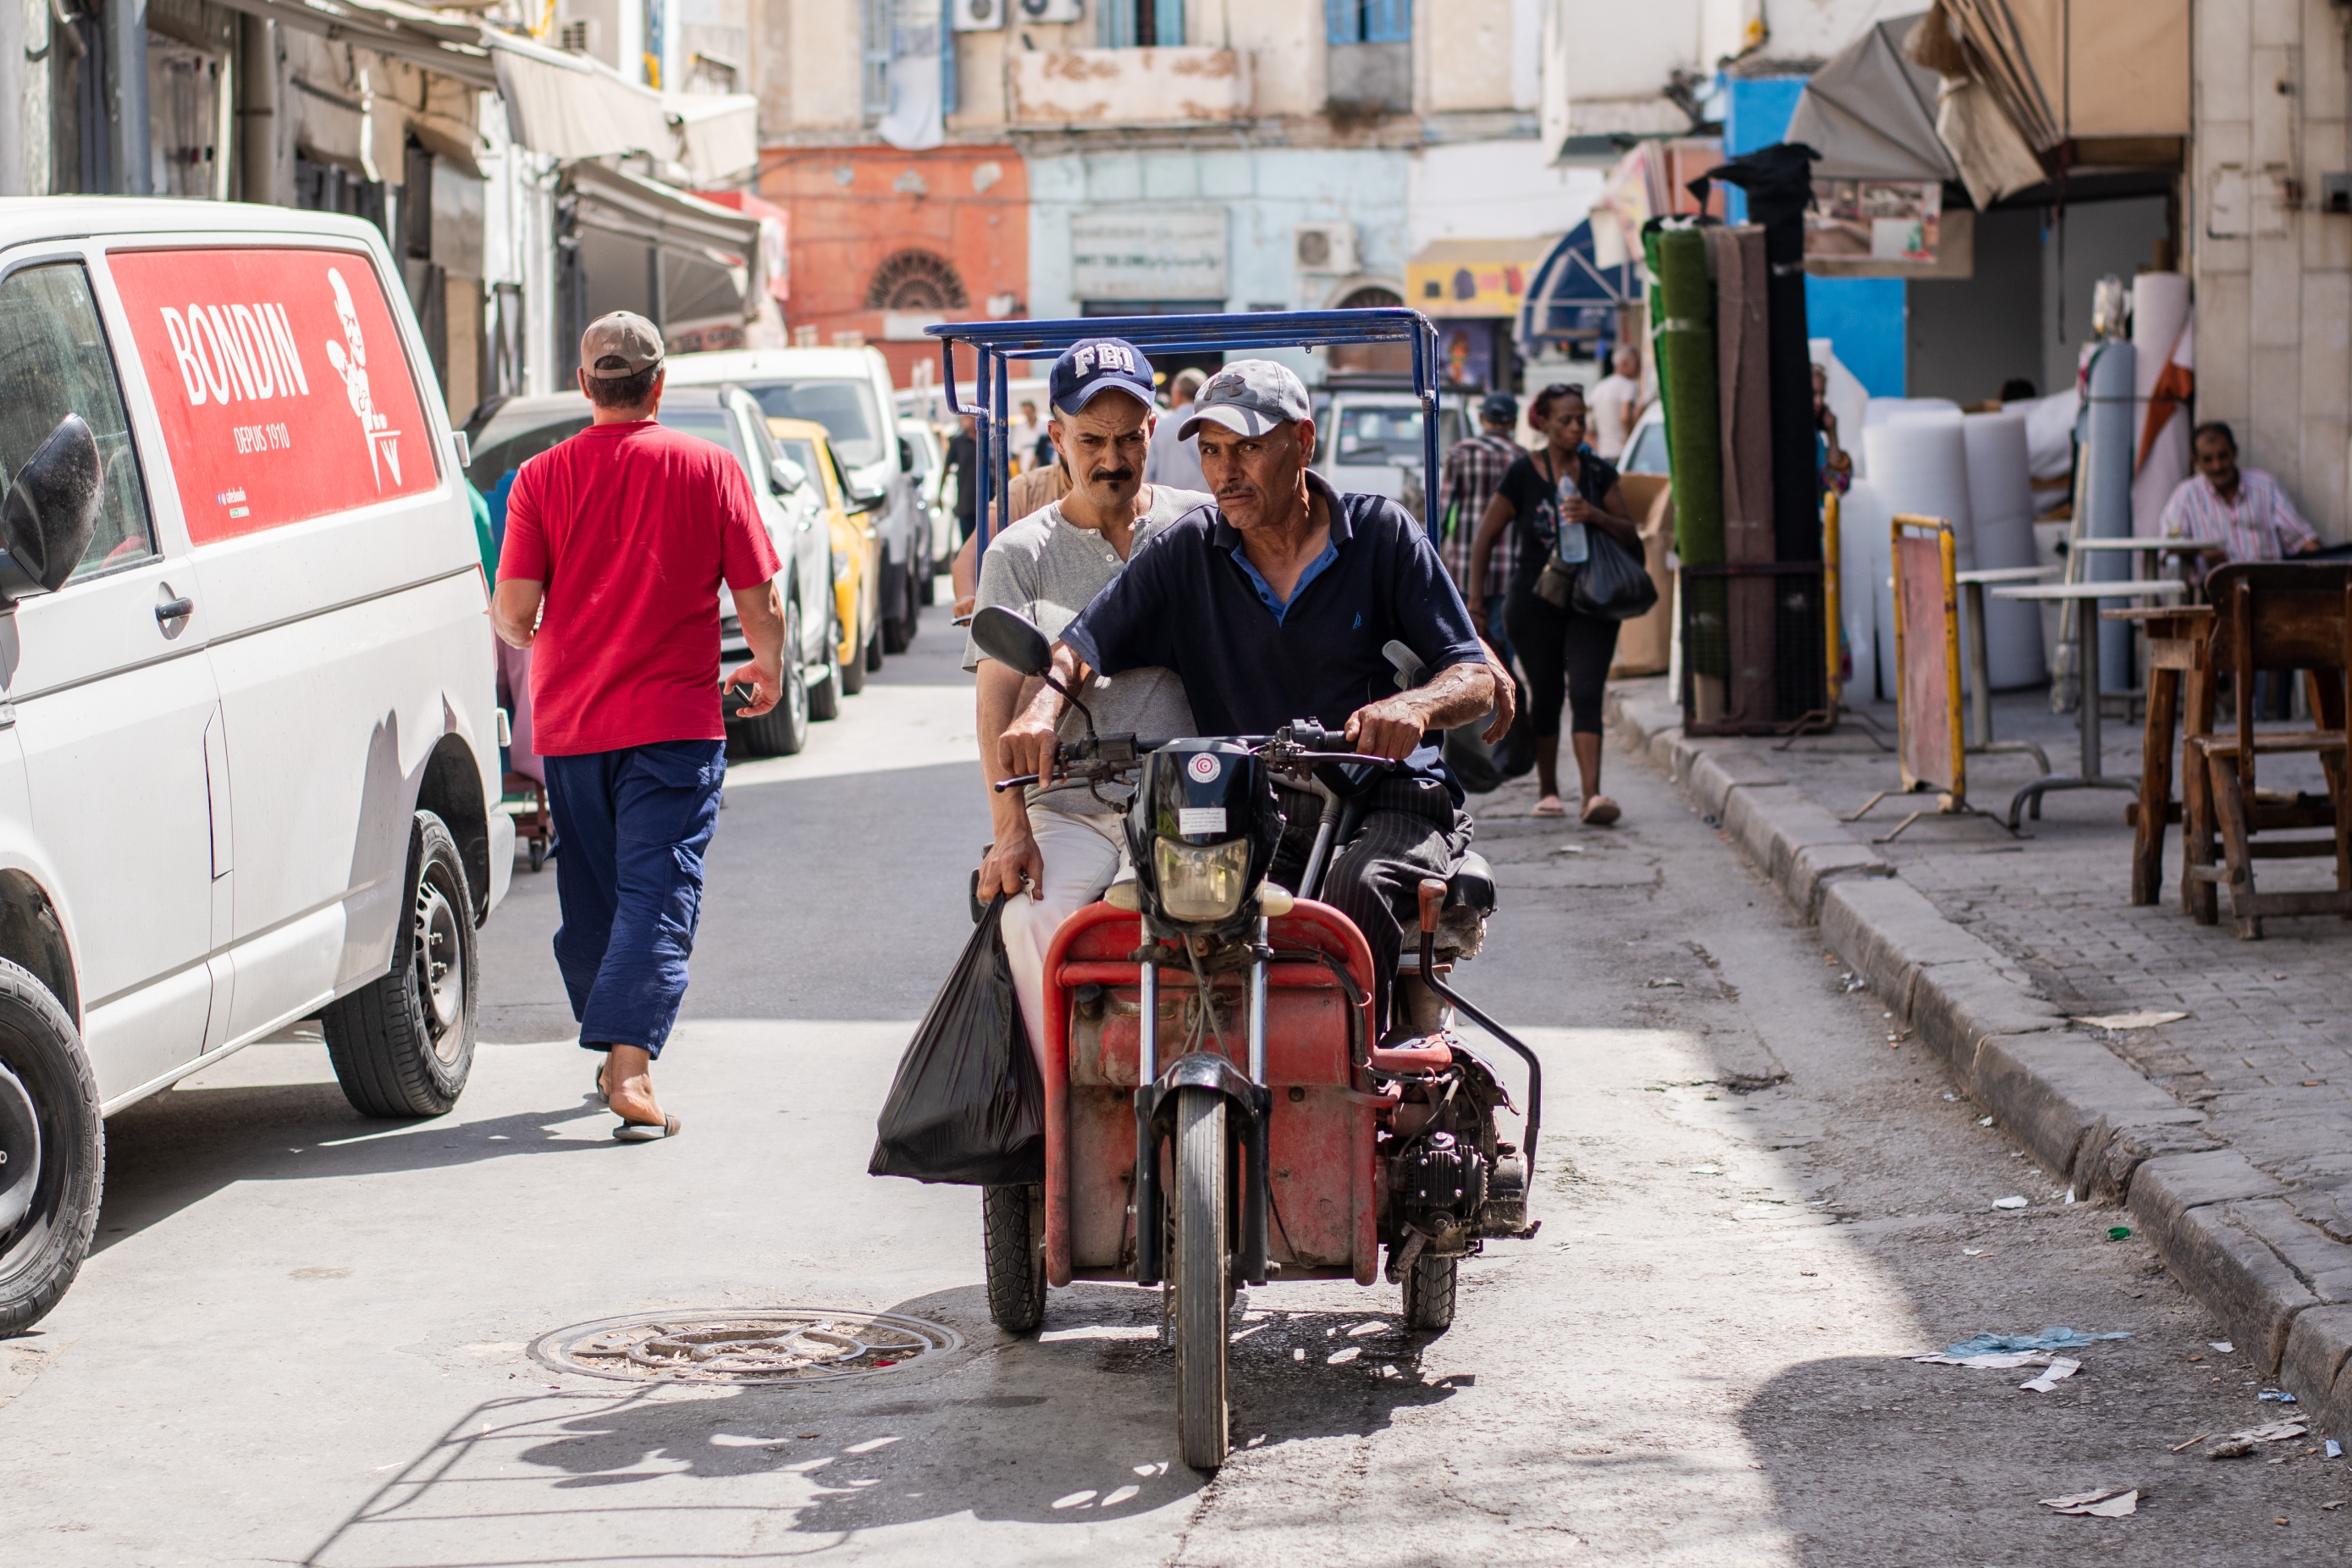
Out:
{"x": 1995, "y": 943}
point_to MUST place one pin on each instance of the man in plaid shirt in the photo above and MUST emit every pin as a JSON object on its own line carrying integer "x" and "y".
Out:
{"x": 2241, "y": 509}
{"x": 1473, "y": 473}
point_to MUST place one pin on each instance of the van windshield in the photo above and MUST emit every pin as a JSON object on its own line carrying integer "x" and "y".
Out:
{"x": 1378, "y": 434}
{"x": 845, "y": 409}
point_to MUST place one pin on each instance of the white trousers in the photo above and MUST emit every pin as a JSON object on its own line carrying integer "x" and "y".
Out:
{"x": 1082, "y": 854}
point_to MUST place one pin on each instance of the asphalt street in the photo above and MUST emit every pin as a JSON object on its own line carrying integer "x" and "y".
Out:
{"x": 305, "y": 1337}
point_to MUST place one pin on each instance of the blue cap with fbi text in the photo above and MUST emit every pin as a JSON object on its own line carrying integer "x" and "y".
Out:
{"x": 1093, "y": 365}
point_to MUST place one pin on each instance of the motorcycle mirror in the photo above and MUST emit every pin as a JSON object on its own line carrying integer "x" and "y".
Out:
{"x": 50, "y": 512}
{"x": 1012, "y": 640}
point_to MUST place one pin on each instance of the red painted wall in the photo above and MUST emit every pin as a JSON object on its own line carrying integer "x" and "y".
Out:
{"x": 853, "y": 207}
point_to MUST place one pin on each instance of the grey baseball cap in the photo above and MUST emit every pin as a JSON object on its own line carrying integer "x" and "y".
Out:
{"x": 1249, "y": 398}
{"x": 625, "y": 336}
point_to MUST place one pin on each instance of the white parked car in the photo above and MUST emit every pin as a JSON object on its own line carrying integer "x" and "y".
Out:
{"x": 249, "y": 744}
{"x": 849, "y": 391}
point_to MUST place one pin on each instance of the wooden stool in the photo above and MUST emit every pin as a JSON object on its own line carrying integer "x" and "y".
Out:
{"x": 2271, "y": 615}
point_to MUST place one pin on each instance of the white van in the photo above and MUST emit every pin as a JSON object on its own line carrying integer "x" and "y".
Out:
{"x": 248, "y": 743}
{"x": 849, "y": 391}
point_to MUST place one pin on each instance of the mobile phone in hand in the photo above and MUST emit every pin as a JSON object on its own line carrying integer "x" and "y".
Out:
{"x": 736, "y": 698}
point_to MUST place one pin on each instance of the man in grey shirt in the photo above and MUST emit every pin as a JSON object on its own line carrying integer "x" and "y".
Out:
{"x": 1174, "y": 461}
{"x": 1057, "y": 849}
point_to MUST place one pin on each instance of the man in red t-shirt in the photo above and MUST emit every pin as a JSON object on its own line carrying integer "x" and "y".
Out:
{"x": 618, "y": 542}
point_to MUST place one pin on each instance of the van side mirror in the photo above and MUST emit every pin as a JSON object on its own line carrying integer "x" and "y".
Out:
{"x": 905, "y": 456}
{"x": 788, "y": 475}
{"x": 1012, "y": 640}
{"x": 50, "y": 512}
{"x": 867, "y": 500}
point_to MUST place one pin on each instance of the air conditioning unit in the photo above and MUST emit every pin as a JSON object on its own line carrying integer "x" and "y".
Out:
{"x": 976, "y": 16}
{"x": 1323, "y": 248}
{"x": 1047, "y": 10}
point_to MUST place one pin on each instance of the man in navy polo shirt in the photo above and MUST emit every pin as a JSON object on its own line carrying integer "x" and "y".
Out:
{"x": 1275, "y": 603}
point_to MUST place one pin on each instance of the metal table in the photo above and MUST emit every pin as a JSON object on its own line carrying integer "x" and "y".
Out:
{"x": 2085, "y": 597}
{"x": 1973, "y": 585}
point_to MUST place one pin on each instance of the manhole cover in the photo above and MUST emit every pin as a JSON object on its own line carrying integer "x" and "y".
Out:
{"x": 782, "y": 1345}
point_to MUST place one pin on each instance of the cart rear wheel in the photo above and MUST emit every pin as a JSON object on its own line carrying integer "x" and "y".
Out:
{"x": 1014, "y": 1222}
{"x": 1199, "y": 1275}
{"x": 1429, "y": 1293}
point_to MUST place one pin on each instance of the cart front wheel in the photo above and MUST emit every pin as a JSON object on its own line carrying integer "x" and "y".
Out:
{"x": 1199, "y": 1275}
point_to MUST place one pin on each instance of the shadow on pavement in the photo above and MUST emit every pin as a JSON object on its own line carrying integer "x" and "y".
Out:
{"x": 174, "y": 1150}
{"x": 1076, "y": 1427}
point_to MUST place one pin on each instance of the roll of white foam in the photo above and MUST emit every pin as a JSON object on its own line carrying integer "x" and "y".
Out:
{"x": 2000, "y": 497}
{"x": 1866, "y": 599}
{"x": 2160, "y": 320}
{"x": 1882, "y": 409}
{"x": 1919, "y": 465}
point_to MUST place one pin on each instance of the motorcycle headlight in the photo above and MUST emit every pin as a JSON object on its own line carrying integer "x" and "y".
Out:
{"x": 1200, "y": 883}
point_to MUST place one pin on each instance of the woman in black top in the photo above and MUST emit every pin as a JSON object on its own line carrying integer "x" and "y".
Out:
{"x": 1544, "y": 496}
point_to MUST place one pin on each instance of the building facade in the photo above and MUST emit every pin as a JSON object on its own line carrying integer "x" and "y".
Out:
{"x": 526, "y": 171}
{"x": 1113, "y": 157}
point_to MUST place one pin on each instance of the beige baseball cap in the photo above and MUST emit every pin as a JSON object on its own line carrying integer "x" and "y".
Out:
{"x": 625, "y": 336}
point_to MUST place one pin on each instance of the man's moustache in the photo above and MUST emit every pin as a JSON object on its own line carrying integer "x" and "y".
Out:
{"x": 1111, "y": 475}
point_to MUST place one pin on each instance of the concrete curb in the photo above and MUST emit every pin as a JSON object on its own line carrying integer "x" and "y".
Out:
{"x": 2281, "y": 1284}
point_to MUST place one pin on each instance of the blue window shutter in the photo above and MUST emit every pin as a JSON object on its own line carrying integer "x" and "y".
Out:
{"x": 1343, "y": 21}
{"x": 1167, "y": 24}
{"x": 947, "y": 66}
{"x": 1115, "y": 21}
{"x": 1387, "y": 21}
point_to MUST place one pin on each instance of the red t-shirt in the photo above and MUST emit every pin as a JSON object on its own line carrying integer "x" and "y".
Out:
{"x": 632, "y": 528}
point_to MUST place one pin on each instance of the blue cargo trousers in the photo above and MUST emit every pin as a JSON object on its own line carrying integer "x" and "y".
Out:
{"x": 631, "y": 827}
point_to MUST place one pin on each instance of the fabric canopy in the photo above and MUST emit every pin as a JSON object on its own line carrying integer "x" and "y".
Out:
{"x": 647, "y": 210}
{"x": 567, "y": 106}
{"x": 1871, "y": 113}
{"x": 718, "y": 137}
{"x": 441, "y": 45}
{"x": 1568, "y": 282}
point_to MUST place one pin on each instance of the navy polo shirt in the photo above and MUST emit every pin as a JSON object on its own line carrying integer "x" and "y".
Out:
{"x": 1252, "y": 663}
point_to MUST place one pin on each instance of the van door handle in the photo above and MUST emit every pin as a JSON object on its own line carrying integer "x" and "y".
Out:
{"x": 178, "y": 609}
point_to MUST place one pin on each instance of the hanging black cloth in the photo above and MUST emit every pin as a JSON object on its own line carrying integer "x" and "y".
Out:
{"x": 1780, "y": 184}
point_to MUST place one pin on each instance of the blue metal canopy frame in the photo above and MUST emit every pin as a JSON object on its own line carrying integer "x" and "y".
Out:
{"x": 999, "y": 344}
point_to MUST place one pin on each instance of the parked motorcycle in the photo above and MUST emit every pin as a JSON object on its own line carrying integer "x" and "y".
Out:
{"x": 1276, "y": 1139}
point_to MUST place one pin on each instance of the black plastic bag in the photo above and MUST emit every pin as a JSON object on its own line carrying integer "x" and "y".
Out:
{"x": 1612, "y": 582}
{"x": 968, "y": 1106}
{"x": 1480, "y": 768}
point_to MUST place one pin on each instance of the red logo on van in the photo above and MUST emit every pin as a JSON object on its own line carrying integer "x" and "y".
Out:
{"x": 281, "y": 382}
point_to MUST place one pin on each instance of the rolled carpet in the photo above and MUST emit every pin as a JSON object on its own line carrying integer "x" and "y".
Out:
{"x": 1682, "y": 328}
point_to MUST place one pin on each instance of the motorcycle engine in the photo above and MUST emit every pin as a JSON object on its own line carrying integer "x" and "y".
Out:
{"x": 1449, "y": 1178}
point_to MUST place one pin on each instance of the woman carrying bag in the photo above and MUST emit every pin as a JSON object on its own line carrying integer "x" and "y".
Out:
{"x": 1565, "y": 503}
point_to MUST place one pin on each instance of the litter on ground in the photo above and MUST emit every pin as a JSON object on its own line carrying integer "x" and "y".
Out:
{"x": 2224, "y": 1346}
{"x": 2131, "y": 1020}
{"x": 2060, "y": 1369}
{"x": 2335, "y": 1449}
{"x": 2119, "y": 1233}
{"x": 2010, "y": 1202}
{"x": 2047, "y": 1340}
{"x": 2108, "y": 1503}
{"x": 2238, "y": 1444}
{"x": 2274, "y": 1393}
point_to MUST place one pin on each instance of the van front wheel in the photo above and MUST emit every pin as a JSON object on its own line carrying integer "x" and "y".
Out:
{"x": 52, "y": 1151}
{"x": 403, "y": 1045}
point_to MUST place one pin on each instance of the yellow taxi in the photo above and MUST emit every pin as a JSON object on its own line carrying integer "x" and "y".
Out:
{"x": 857, "y": 550}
